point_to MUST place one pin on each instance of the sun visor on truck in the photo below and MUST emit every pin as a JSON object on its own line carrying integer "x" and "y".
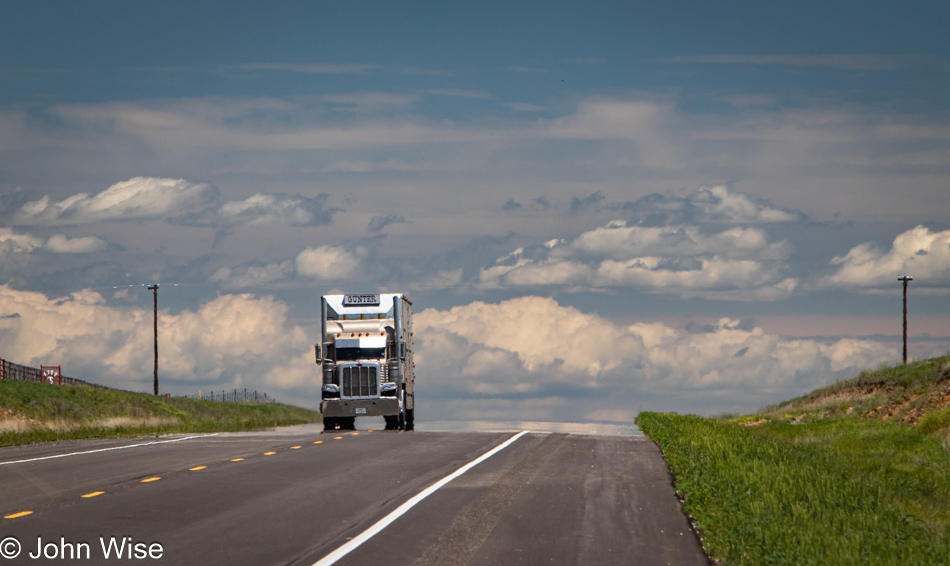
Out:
{"x": 364, "y": 342}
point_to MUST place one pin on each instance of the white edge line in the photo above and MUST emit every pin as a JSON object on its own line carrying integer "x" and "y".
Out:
{"x": 369, "y": 533}
{"x": 106, "y": 449}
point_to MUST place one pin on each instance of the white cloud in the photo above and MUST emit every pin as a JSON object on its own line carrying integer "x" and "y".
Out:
{"x": 13, "y": 243}
{"x": 60, "y": 243}
{"x": 329, "y": 262}
{"x": 672, "y": 259}
{"x": 610, "y": 119}
{"x": 716, "y": 204}
{"x": 918, "y": 252}
{"x": 228, "y": 340}
{"x": 618, "y": 240}
{"x": 261, "y": 209}
{"x": 533, "y": 348}
{"x": 138, "y": 198}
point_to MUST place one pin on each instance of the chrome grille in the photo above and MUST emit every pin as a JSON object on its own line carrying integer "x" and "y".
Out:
{"x": 359, "y": 381}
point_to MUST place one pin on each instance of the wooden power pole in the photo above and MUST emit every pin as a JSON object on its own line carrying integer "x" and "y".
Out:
{"x": 154, "y": 290}
{"x": 905, "y": 279}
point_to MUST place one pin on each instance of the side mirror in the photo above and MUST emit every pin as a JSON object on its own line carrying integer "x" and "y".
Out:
{"x": 316, "y": 350}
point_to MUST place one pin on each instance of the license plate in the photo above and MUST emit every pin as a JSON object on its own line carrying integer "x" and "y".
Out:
{"x": 360, "y": 411}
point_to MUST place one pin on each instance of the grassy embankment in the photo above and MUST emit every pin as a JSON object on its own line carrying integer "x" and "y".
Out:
{"x": 35, "y": 412}
{"x": 854, "y": 473}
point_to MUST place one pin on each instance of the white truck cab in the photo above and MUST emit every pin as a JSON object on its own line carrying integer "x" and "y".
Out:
{"x": 366, "y": 355}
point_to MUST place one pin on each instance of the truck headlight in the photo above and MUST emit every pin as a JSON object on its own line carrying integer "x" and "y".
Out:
{"x": 330, "y": 391}
{"x": 387, "y": 389}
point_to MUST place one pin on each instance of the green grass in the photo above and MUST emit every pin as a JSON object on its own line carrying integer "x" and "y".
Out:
{"x": 833, "y": 492}
{"x": 811, "y": 482}
{"x": 35, "y": 412}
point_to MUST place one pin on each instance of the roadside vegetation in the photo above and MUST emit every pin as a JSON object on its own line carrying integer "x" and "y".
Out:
{"x": 35, "y": 412}
{"x": 854, "y": 473}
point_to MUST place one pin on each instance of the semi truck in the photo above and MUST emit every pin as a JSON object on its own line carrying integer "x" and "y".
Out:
{"x": 366, "y": 360}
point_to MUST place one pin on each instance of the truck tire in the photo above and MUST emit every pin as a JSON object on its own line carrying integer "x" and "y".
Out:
{"x": 410, "y": 419}
{"x": 329, "y": 423}
{"x": 347, "y": 423}
{"x": 392, "y": 422}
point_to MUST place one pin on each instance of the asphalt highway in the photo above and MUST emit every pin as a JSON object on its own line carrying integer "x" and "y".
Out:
{"x": 298, "y": 496}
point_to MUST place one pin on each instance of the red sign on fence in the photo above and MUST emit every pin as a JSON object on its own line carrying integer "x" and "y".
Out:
{"x": 52, "y": 375}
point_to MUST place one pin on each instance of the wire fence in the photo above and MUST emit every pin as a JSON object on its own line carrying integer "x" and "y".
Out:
{"x": 233, "y": 396}
{"x": 53, "y": 376}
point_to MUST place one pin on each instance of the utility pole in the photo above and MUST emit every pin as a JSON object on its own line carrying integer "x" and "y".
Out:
{"x": 905, "y": 279}
{"x": 154, "y": 290}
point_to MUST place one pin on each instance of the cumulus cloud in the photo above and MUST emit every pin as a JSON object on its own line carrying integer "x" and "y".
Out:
{"x": 672, "y": 259}
{"x": 139, "y": 198}
{"x": 716, "y": 204}
{"x": 60, "y": 243}
{"x": 709, "y": 244}
{"x": 14, "y": 243}
{"x": 918, "y": 252}
{"x": 230, "y": 340}
{"x": 532, "y": 348}
{"x": 275, "y": 209}
{"x": 329, "y": 262}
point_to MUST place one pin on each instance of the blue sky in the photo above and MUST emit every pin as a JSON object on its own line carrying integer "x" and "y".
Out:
{"x": 596, "y": 207}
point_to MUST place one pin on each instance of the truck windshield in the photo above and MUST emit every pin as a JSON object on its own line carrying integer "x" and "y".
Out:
{"x": 352, "y": 354}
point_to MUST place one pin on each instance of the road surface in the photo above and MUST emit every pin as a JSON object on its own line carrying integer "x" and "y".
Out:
{"x": 298, "y": 496}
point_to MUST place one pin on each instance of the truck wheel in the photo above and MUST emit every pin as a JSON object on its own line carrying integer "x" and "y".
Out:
{"x": 392, "y": 422}
{"x": 329, "y": 423}
{"x": 410, "y": 419}
{"x": 347, "y": 423}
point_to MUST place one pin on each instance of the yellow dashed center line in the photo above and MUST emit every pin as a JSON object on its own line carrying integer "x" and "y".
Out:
{"x": 370, "y": 430}
{"x": 269, "y": 453}
{"x": 355, "y": 434}
{"x": 196, "y": 468}
{"x": 337, "y": 438}
{"x": 237, "y": 459}
{"x": 146, "y": 480}
{"x": 294, "y": 447}
{"x": 93, "y": 494}
{"x": 20, "y": 514}
{"x": 318, "y": 442}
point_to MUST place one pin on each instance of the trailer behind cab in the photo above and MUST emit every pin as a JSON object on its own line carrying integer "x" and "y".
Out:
{"x": 366, "y": 356}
